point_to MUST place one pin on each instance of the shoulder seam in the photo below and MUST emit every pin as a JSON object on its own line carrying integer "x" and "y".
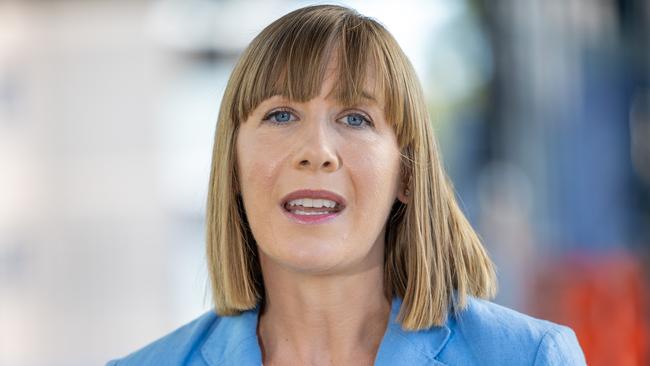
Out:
{"x": 539, "y": 346}
{"x": 550, "y": 333}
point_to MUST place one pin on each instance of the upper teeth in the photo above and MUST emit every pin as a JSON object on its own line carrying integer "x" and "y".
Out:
{"x": 310, "y": 202}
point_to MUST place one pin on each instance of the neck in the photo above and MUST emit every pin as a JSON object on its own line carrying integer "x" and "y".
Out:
{"x": 322, "y": 319}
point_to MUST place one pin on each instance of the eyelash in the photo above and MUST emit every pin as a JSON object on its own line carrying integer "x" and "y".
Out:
{"x": 274, "y": 113}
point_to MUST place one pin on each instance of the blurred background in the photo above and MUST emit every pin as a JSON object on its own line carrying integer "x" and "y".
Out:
{"x": 107, "y": 116}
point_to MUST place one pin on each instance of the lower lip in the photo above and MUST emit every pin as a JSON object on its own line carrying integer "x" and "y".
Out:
{"x": 311, "y": 219}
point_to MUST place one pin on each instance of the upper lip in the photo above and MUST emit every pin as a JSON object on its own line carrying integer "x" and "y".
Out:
{"x": 314, "y": 193}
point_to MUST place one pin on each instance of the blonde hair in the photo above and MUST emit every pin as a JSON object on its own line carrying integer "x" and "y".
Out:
{"x": 433, "y": 257}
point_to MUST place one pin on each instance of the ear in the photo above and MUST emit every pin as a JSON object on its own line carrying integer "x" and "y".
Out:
{"x": 404, "y": 191}
{"x": 403, "y": 196}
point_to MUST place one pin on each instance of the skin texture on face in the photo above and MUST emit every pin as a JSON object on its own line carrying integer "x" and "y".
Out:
{"x": 319, "y": 145}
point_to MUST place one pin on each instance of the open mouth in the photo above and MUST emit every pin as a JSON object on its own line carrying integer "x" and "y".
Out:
{"x": 312, "y": 206}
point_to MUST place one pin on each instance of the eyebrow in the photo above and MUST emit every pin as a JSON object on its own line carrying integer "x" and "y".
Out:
{"x": 364, "y": 95}
{"x": 368, "y": 96}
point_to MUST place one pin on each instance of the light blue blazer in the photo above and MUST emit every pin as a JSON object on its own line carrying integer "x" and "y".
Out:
{"x": 483, "y": 334}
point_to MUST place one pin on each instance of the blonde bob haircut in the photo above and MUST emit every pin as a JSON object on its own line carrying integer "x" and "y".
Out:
{"x": 433, "y": 257}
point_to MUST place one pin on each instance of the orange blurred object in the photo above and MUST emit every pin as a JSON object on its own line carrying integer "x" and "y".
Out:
{"x": 603, "y": 298}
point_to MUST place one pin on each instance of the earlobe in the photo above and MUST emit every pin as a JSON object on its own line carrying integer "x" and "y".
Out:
{"x": 403, "y": 195}
{"x": 404, "y": 192}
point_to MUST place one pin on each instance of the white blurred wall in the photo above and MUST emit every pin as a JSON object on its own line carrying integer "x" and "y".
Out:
{"x": 95, "y": 255}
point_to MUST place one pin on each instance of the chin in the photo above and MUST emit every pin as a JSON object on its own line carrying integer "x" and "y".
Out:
{"x": 307, "y": 256}
{"x": 312, "y": 256}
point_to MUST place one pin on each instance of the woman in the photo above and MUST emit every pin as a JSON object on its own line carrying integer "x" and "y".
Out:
{"x": 333, "y": 235}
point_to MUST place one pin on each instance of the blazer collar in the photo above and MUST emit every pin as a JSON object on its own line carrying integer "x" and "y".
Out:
{"x": 402, "y": 347}
{"x": 234, "y": 342}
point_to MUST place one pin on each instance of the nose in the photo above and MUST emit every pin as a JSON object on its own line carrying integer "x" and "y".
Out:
{"x": 317, "y": 150}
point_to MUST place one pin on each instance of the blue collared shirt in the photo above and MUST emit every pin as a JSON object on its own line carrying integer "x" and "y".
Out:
{"x": 483, "y": 334}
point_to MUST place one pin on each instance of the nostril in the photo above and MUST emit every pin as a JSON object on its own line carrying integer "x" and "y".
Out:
{"x": 304, "y": 163}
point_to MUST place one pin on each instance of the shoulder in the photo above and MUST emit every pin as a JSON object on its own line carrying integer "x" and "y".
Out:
{"x": 494, "y": 334}
{"x": 175, "y": 348}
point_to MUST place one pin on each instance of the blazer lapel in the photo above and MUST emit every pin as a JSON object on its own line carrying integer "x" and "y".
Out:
{"x": 234, "y": 341}
{"x": 400, "y": 347}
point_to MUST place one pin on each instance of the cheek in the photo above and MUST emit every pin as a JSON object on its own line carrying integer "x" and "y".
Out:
{"x": 375, "y": 174}
{"x": 258, "y": 163}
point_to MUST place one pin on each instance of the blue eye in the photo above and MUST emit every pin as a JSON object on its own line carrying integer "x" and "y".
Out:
{"x": 357, "y": 120}
{"x": 278, "y": 117}
{"x": 283, "y": 116}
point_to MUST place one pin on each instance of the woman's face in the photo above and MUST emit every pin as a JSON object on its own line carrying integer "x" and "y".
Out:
{"x": 297, "y": 160}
